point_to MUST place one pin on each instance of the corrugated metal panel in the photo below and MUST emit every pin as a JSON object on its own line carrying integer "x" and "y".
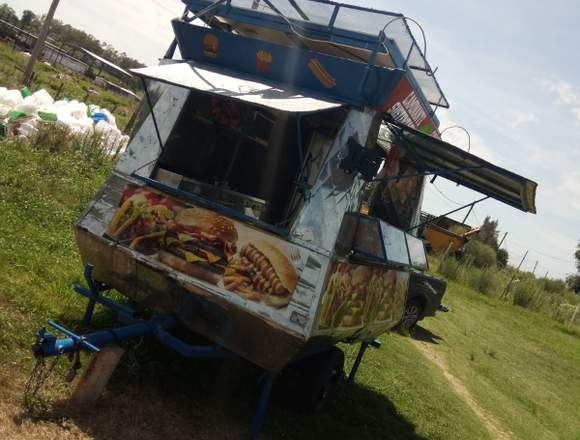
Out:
{"x": 468, "y": 170}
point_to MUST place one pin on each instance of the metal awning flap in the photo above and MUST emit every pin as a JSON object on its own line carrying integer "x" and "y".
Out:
{"x": 457, "y": 165}
{"x": 221, "y": 82}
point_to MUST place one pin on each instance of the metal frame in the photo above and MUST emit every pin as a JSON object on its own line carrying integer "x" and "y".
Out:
{"x": 47, "y": 344}
{"x": 447, "y": 213}
{"x": 332, "y": 34}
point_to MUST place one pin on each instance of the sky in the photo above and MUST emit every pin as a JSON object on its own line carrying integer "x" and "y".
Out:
{"x": 509, "y": 69}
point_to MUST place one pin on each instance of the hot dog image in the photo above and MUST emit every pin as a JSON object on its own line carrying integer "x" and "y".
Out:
{"x": 262, "y": 273}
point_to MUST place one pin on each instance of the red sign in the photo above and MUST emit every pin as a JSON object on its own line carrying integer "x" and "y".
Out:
{"x": 407, "y": 108}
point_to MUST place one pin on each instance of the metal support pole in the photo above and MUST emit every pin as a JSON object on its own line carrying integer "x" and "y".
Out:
{"x": 467, "y": 215}
{"x": 266, "y": 381}
{"x": 359, "y": 356}
{"x": 40, "y": 42}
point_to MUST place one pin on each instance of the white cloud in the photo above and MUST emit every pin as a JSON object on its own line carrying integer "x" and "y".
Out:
{"x": 570, "y": 186}
{"x": 566, "y": 94}
{"x": 519, "y": 118}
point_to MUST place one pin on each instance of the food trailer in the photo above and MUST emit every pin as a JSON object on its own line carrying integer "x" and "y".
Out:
{"x": 235, "y": 210}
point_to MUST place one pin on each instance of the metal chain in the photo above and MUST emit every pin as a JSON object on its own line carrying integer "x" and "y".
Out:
{"x": 39, "y": 375}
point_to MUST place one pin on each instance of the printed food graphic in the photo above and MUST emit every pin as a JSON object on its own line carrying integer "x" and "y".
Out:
{"x": 358, "y": 295}
{"x": 264, "y": 61}
{"x": 262, "y": 273}
{"x": 238, "y": 260}
{"x": 321, "y": 73}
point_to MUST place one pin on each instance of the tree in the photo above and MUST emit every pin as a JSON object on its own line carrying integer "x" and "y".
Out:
{"x": 577, "y": 256}
{"x": 502, "y": 258}
{"x": 573, "y": 283}
{"x": 8, "y": 14}
{"x": 488, "y": 233}
{"x": 28, "y": 17}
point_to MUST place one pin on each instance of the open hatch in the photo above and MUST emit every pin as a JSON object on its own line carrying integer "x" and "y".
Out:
{"x": 248, "y": 146}
{"x": 442, "y": 158}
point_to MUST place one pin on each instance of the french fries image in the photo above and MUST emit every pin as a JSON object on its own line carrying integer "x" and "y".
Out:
{"x": 321, "y": 73}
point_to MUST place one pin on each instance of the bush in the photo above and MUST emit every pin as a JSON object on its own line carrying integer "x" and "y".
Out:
{"x": 487, "y": 281}
{"x": 449, "y": 268}
{"x": 480, "y": 254}
{"x": 530, "y": 295}
{"x": 502, "y": 258}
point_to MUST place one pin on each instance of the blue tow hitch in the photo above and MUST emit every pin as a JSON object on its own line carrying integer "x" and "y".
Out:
{"x": 47, "y": 344}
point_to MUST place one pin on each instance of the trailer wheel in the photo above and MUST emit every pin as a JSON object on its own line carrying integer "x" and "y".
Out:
{"x": 320, "y": 373}
{"x": 411, "y": 315}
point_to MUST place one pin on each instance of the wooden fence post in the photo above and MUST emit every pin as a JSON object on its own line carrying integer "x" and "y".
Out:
{"x": 573, "y": 319}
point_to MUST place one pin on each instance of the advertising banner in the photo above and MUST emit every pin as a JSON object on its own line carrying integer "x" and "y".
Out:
{"x": 407, "y": 108}
{"x": 268, "y": 276}
{"x": 358, "y": 295}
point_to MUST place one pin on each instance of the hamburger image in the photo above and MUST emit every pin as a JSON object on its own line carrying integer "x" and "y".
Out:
{"x": 199, "y": 243}
{"x": 262, "y": 273}
{"x": 211, "y": 46}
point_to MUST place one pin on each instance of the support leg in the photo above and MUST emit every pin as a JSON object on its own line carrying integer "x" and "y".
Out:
{"x": 94, "y": 380}
{"x": 265, "y": 392}
{"x": 359, "y": 356}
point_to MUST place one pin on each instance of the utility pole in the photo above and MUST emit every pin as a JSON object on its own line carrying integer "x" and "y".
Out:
{"x": 535, "y": 266}
{"x": 40, "y": 42}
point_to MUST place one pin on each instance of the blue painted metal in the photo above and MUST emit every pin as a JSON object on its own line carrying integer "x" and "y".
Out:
{"x": 357, "y": 361}
{"x": 326, "y": 32}
{"x": 361, "y": 352}
{"x": 266, "y": 381}
{"x": 47, "y": 344}
{"x": 93, "y": 294}
{"x": 191, "y": 351}
{"x": 290, "y": 66}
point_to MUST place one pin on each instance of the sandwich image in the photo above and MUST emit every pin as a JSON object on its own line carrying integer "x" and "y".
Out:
{"x": 211, "y": 46}
{"x": 262, "y": 273}
{"x": 199, "y": 243}
{"x": 142, "y": 219}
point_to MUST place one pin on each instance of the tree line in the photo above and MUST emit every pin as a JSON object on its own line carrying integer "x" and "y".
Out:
{"x": 65, "y": 34}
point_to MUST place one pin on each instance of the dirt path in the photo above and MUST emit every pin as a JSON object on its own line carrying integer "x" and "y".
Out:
{"x": 490, "y": 422}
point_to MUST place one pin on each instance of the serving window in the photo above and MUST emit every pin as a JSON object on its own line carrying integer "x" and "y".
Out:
{"x": 244, "y": 156}
{"x": 366, "y": 237}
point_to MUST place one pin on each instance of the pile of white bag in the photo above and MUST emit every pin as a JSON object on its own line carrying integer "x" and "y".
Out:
{"x": 22, "y": 113}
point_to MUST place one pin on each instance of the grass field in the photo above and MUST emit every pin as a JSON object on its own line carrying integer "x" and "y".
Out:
{"x": 519, "y": 368}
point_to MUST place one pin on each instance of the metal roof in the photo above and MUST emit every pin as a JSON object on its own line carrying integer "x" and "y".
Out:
{"x": 211, "y": 79}
{"x": 106, "y": 62}
{"x": 466, "y": 169}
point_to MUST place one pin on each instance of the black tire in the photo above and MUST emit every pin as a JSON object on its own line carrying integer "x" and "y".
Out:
{"x": 411, "y": 315}
{"x": 319, "y": 374}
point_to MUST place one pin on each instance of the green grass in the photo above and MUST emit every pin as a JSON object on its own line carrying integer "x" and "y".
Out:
{"x": 521, "y": 366}
{"x": 58, "y": 80}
